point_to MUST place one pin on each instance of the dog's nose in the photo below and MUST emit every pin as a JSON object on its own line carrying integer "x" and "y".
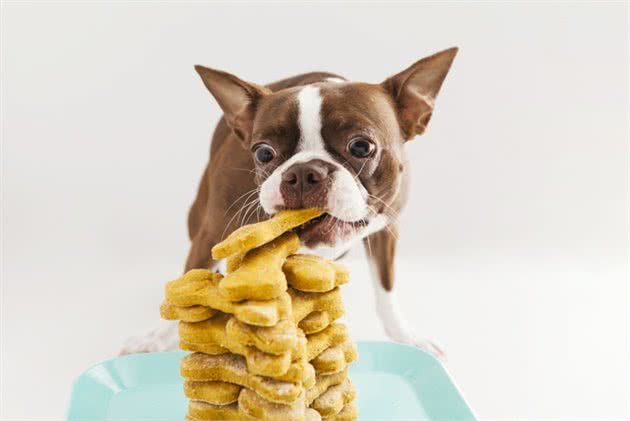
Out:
{"x": 303, "y": 179}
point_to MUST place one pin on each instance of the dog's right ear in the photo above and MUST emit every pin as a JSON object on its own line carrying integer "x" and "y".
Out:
{"x": 238, "y": 99}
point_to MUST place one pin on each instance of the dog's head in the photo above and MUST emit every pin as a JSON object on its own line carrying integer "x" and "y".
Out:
{"x": 334, "y": 144}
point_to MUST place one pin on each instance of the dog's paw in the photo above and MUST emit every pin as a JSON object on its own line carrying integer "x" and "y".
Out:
{"x": 424, "y": 344}
{"x": 429, "y": 346}
{"x": 161, "y": 339}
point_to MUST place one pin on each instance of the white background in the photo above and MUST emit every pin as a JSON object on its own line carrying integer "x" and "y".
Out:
{"x": 513, "y": 248}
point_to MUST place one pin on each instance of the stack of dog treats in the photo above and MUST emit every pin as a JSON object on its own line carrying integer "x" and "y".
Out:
{"x": 264, "y": 341}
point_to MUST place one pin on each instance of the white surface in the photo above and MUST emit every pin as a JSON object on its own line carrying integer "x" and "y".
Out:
{"x": 514, "y": 247}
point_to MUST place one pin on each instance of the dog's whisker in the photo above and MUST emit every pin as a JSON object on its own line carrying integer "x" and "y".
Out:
{"x": 247, "y": 193}
{"x": 238, "y": 212}
{"x": 249, "y": 213}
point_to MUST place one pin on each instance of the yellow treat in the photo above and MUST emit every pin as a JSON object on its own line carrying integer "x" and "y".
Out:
{"x": 207, "y": 412}
{"x": 215, "y": 393}
{"x": 231, "y": 368}
{"x": 335, "y": 358}
{"x": 276, "y": 339}
{"x": 200, "y": 287}
{"x": 212, "y": 337}
{"x": 202, "y": 411}
{"x": 233, "y": 262}
{"x": 333, "y": 335}
{"x": 251, "y": 236}
{"x": 256, "y": 406}
{"x": 206, "y": 348}
{"x": 225, "y": 330}
{"x": 306, "y": 303}
{"x": 318, "y": 321}
{"x": 350, "y": 412}
{"x": 260, "y": 276}
{"x": 322, "y": 383}
{"x": 310, "y": 273}
{"x": 332, "y": 401}
{"x": 186, "y": 314}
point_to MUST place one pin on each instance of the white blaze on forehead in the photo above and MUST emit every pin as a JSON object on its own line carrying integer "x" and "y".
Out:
{"x": 347, "y": 198}
{"x": 310, "y": 120}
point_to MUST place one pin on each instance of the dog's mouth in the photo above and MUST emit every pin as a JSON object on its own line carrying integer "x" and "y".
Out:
{"x": 327, "y": 230}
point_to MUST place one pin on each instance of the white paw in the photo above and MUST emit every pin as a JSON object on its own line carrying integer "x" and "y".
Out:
{"x": 424, "y": 344}
{"x": 163, "y": 338}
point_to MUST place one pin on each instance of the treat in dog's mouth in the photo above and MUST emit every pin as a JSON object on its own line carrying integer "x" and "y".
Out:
{"x": 326, "y": 229}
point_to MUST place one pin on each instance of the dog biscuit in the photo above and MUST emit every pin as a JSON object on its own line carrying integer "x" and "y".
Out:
{"x": 206, "y": 412}
{"x": 259, "y": 408}
{"x": 231, "y": 368}
{"x": 215, "y": 393}
{"x": 251, "y": 236}
{"x": 306, "y": 303}
{"x": 202, "y": 411}
{"x": 322, "y": 383}
{"x": 332, "y": 401}
{"x": 213, "y": 336}
{"x": 260, "y": 275}
{"x": 310, "y": 273}
{"x": 350, "y": 412}
{"x": 186, "y": 314}
{"x": 335, "y": 358}
{"x": 200, "y": 287}
{"x": 332, "y": 336}
{"x": 318, "y": 321}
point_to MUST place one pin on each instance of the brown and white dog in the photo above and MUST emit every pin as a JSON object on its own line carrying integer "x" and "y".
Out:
{"x": 314, "y": 140}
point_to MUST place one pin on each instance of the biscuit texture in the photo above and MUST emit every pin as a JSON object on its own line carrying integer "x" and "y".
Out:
{"x": 200, "y": 287}
{"x": 259, "y": 275}
{"x": 251, "y": 236}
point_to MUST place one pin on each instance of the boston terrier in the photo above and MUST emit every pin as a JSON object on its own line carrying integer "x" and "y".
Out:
{"x": 313, "y": 140}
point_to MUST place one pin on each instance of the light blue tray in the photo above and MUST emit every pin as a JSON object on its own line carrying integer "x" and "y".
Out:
{"x": 393, "y": 381}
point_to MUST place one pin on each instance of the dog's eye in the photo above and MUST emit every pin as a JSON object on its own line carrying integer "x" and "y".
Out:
{"x": 361, "y": 147}
{"x": 264, "y": 153}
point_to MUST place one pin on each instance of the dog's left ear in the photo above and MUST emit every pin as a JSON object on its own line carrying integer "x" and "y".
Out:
{"x": 414, "y": 90}
{"x": 238, "y": 99}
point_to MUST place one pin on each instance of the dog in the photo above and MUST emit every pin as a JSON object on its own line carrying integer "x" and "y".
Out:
{"x": 314, "y": 140}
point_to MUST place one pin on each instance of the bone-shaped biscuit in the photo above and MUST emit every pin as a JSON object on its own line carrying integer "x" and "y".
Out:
{"x": 332, "y": 401}
{"x": 186, "y": 314}
{"x": 318, "y": 321}
{"x": 228, "y": 332}
{"x": 251, "y": 236}
{"x": 335, "y": 358}
{"x": 350, "y": 412}
{"x": 306, "y": 303}
{"x": 216, "y": 393}
{"x": 332, "y": 336}
{"x": 322, "y": 383}
{"x": 202, "y": 411}
{"x": 215, "y": 334}
{"x": 206, "y": 412}
{"x": 200, "y": 287}
{"x": 260, "y": 276}
{"x": 256, "y": 406}
{"x": 231, "y": 368}
{"x": 311, "y": 273}
{"x": 207, "y": 348}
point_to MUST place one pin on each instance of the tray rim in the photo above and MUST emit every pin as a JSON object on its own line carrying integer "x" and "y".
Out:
{"x": 369, "y": 342}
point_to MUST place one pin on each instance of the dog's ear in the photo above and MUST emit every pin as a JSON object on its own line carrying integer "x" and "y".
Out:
{"x": 414, "y": 90}
{"x": 238, "y": 99}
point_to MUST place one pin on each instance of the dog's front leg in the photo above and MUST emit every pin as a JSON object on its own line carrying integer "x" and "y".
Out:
{"x": 381, "y": 250}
